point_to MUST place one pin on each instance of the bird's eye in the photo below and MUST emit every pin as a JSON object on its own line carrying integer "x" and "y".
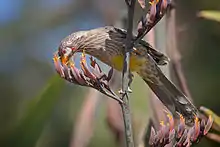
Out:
{"x": 67, "y": 51}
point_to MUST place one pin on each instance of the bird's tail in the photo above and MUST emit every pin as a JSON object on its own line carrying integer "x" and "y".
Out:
{"x": 171, "y": 96}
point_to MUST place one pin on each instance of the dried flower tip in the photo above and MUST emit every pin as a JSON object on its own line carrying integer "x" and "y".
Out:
{"x": 67, "y": 76}
{"x": 152, "y": 2}
{"x": 162, "y": 123}
{"x": 208, "y": 125}
{"x": 77, "y": 75}
{"x": 57, "y": 65}
{"x": 72, "y": 64}
{"x": 182, "y": 138}
{"x": 196, "y": 129}
{"x": 181, "y": 127}
{"x": 85, "y": 68}
{"x": 187, "y": 142}
{"x": 83, "y": 57}
{"x": 182, "y": 119}
{"x": 55, "y": 58}
{"x": 152, "y": 14}
{"x": 152, "y": 136}
{"x": 96, "y": 68}
{"x": 171, "y": 121}
{"x": 142, "y": 3}
{"x": 172, "y": 135}
{"x": 164, "y": 5}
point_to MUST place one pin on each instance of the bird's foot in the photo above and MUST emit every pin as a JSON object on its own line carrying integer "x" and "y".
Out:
{"x": 121, "y": 91}
{"x": 130, "y": 77}
{"x": 130, "y": 80}
{"x": 129, "y": 90}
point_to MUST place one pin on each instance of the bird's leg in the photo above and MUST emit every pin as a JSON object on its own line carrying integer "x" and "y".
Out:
{"x": 130, "y": 77}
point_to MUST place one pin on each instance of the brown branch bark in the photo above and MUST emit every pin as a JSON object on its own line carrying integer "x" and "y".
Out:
{"x": 125, "y": 76}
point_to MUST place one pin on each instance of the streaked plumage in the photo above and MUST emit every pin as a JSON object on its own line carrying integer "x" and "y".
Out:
{"x": 107, "y": 44}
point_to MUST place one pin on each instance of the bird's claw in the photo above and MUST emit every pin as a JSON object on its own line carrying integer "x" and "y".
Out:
{"x": 130, "y": 77}
{"x": 121, "y": 91}
{"x": 129, "y": 90}
{"x": 130, "y": 80}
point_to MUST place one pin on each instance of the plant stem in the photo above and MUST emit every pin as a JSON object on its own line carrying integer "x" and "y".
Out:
{"x": 125, "y": 77}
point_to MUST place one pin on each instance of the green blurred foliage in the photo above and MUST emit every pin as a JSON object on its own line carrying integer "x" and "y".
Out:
{"x": 212, "y": 15}
{"x": 36, "y": 115}
{"x": 35, "y": 112}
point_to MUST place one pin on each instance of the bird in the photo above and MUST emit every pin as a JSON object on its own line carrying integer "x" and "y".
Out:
{"x": 108, "y": 44}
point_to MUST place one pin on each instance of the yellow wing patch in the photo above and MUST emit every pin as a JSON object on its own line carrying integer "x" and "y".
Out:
{"x": 135, "y": 62}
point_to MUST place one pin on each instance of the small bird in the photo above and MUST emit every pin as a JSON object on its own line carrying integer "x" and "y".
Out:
{"x": 108, "y": 43}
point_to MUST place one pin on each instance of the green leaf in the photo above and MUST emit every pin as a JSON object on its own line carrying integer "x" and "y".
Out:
{"x": 212, "y": 15}
{"x": 27, "y": 133}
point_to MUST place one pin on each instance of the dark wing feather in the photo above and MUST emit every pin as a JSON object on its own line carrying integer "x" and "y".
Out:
{"x": 159, "y": 57}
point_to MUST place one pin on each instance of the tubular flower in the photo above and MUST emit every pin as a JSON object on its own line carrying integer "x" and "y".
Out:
{"x": 182, "y": 136}
{"x": 91, "y": 76}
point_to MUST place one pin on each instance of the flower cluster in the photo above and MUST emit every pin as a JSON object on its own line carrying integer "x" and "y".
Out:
{"x": 180, "y": 136}
{"x": 157, "y": 10}
{"x": 89, "y": 75}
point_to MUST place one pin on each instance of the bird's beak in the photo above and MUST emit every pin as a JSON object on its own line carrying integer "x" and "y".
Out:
{"x": 64, "y": 59}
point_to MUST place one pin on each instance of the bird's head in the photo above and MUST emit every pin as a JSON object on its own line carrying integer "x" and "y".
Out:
{"x": 68, "y": 47}
{"x": 65, "y": 53}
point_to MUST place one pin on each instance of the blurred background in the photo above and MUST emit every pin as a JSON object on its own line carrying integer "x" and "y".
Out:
{"x": 39, "y": 109}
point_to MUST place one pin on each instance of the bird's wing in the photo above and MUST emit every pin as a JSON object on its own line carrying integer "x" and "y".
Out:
{"x": 159, "y": 57}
